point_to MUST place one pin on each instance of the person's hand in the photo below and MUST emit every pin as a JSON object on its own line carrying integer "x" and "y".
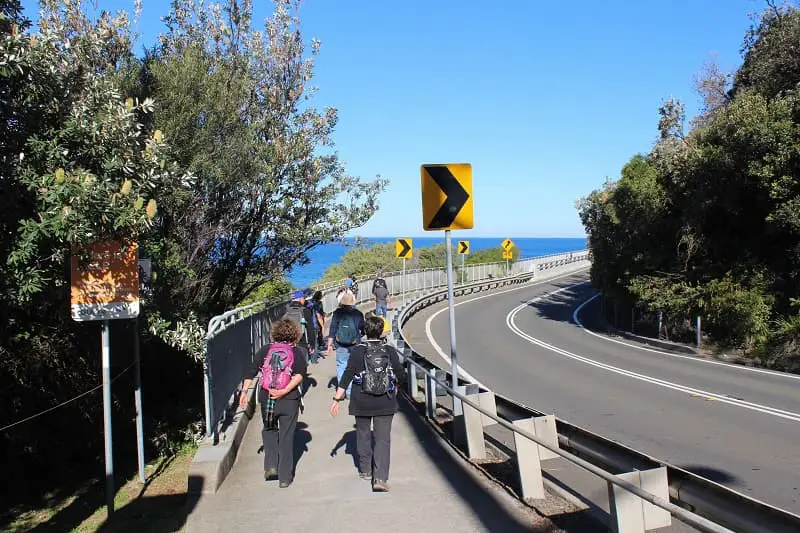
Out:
{"x": 330, "y": 350}
{"x": 243, "y": 399}
{"x": 277, "y": 394}
{"x": 334, "y": 408}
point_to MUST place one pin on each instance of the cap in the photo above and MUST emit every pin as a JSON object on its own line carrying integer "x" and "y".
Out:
{"x": 297, "y": 294}
{"x": 308, "y": 291}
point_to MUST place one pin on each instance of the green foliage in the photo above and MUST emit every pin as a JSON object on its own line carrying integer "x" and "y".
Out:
{"x": 709, "y": 221}
{"x": 235, "y": 102}
{"x": 490, "y": 255}
{"x": 364, "y": 261}
{"x": 270, "y": 290}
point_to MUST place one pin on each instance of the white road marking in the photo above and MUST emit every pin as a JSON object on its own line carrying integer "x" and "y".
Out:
{"x": 789, "y": 415}
{"x": 689, "y": 357}
{"x": 446, "y": 356}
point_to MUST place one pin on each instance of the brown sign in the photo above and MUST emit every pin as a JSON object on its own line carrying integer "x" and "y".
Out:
{"x": 105, "y": 281}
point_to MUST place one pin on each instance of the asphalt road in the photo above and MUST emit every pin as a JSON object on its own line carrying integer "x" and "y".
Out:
{"x": 737, "y": 426}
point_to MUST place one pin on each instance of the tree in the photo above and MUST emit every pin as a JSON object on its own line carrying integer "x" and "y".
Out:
{"x": 236, "y": 101}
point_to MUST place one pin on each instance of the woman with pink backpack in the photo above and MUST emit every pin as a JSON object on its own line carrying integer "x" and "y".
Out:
{"x": 283, "y": 367}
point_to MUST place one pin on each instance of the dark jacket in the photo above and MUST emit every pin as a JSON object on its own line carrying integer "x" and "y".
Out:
{"x": 362, "y": 404}
{"x": 310, "y": 337}
{"x": 300, "y": 366}
{"x": 358, "y": 316}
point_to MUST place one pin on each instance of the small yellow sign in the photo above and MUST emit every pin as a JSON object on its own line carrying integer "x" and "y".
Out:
{"x": 403, "y": 248}
{"x": 508, "y": 254}
{"x": 508, "y": 244}
{"x": 447, "y": 196}
{"x": 463, "y": 247}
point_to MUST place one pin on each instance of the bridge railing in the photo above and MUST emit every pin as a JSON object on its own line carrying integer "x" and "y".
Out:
{"x": 234, "y": 338}
{"x": 704, "y": 504}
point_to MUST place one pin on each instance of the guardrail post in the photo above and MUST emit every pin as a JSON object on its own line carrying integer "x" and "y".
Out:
{"x": 545, "y": 429}
{"x": 412, "y": 381}
{"x": 528, "y": 462}
{"x": 631, "y": 514}
{"x": 487, "y": 402}
{"x": 473, "y": 426}
{"x": 430, "y": 394}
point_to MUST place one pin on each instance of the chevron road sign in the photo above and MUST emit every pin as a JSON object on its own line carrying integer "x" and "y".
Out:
{"x": 403, "y": 248}
{"x": 463, "y": 247}
{"x": 447, "y": 196}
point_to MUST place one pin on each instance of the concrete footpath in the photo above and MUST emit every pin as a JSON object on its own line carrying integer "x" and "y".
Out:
{"x": 432, "y": 487}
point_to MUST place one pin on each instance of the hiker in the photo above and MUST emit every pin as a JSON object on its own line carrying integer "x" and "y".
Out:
{"x": 297, "y": 311}
{"x": 315, "y": 304}
{"x": 374, "y": 369}
{"x": 381, "y": 293}
{"x": 354, "y": 285}
{"x": 283, "y": 367}
{"x": 346, "y": 330}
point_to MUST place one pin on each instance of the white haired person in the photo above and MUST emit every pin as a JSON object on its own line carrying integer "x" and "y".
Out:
{"x": 346, "y": 330}
{"x": 374, "y": 369}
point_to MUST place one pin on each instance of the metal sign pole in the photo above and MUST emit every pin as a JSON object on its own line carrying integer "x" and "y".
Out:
{"x": 404, "y": 282}
{"x": 462, "y": 268}
{"x": 451, "y": 307}
{"x": 106, "y": 344}
{"x": 137, "y": 394}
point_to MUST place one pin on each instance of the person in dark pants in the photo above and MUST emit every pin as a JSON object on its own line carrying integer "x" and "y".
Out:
{"x": 373, "y": 413}
{"x": 282, "y": 404}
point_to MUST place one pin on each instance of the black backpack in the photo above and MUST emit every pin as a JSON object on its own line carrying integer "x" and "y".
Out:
{"x": 378, "y": 376}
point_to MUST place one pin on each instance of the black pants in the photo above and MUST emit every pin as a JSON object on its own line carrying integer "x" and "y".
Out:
{"x": 379, "y": 455}
{"x": 279, "y": 442}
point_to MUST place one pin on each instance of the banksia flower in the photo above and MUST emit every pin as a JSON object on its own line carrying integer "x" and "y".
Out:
{"x": 151, "y": 208}
{"x": 126, "y": 187}
{"x": 60, "y": 175}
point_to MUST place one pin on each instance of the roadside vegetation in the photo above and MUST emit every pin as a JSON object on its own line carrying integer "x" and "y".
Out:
{"x": 365, "y": 259}
{"x": 708, "y": 222}
{"x": 208, "y": 152}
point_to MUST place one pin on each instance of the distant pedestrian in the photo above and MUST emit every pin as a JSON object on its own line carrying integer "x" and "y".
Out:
{"x": 283, "y": 368}
{"x": 297, "y": 311}
{"x": 346, "y": 330}
{"x": 374, "y": 369}
{"x": 316, "y": 306}
{"x": 354, "y": 286}
{"x": 381, "y": 294}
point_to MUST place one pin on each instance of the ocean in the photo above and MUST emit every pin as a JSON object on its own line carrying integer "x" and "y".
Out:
{"x": 328, "y": 254}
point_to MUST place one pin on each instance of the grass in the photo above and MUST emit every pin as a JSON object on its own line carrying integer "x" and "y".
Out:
{"x": 159, "y": 505}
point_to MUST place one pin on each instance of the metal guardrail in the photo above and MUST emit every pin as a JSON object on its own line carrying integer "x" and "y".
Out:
{"x": 235, "y": 337}
{"x": 697, "y": 501}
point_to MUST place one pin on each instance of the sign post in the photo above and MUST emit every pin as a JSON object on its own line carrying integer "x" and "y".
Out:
{"x": 404, "y": 249}
{"x": 463, "y": 251}
{"x": 446, "y": 205}
{"x": 508, "y": 247}
{"x": 105, "y": 286}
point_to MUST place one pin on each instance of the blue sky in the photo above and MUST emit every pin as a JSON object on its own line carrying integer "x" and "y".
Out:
{"x": 544, "y": 99}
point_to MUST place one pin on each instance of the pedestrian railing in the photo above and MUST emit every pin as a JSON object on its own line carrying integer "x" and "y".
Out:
{"x": 644, "y": 496}
{"x": 234, "y": 338}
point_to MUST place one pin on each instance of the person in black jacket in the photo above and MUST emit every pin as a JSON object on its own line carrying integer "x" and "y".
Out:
{"x": 283, "y": 404}
{"x": 373, "y": 413}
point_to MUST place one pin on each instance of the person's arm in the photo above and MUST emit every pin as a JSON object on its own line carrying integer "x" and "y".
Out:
{"x": 254, "y": 369}
{"x": 354, "y": 365}
{"x": 334, "y": 329}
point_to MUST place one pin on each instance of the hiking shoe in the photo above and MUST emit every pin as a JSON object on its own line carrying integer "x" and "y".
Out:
{"x": 284, "y": 484}
{"x": 271, "y": 474}
{"x": 365, "y": 476}
{"x": 380, "y": 486}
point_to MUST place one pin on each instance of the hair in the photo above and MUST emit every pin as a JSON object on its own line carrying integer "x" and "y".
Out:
{"x": 373, "y": 327}
{"x": 317, "y": 296}
{"x": 286, "y": 330}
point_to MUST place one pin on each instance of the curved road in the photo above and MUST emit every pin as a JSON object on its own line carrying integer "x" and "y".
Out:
{"x": 734, "y": 425}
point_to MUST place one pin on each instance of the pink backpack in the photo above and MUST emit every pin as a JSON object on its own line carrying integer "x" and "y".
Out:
{"x": 276, "y": 371}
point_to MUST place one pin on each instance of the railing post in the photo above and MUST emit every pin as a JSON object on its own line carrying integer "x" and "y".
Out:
{"x": 430, "y": 394}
